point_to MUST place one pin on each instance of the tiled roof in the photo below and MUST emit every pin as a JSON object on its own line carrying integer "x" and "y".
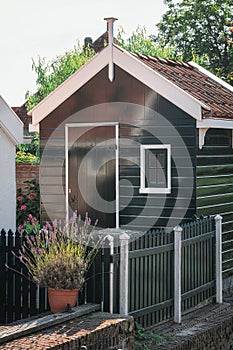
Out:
{"x": 101, "y": 42}
{"x": 22, "y": 114}
{"x": 196, "y": 83}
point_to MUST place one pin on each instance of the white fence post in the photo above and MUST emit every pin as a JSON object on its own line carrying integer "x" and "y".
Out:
{"x": 124, "y": 272}
{"x": 111, "y": 268}
{"x": 177, "y": 274}
{"x": 218, "y": 225}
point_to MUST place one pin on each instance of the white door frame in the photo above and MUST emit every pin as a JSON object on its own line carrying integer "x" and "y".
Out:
{"x": 82, "y": 125}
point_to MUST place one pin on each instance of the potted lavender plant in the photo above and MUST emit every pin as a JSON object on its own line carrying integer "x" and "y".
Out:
{"x": 59, "y": 256}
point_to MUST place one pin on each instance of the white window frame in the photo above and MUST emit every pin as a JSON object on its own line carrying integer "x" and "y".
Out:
{"x": 143, "y": 188}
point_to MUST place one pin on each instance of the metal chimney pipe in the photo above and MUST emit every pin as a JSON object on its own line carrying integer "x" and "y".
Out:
{"x": 110, "y": 21}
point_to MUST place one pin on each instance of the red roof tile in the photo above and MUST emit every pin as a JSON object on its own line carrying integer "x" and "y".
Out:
{"x": 101, "y": 42}
{"x": 205, "y": 89}
{"x": 22, "y": 114}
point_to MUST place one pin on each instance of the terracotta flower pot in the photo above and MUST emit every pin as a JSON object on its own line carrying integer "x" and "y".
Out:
{"x": 59, "y": 298}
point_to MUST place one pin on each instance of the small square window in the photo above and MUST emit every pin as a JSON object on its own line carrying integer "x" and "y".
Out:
{"x": 155, "y": 173}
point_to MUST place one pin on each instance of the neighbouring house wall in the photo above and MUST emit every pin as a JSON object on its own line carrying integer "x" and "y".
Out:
{"x": 8, "y": 186}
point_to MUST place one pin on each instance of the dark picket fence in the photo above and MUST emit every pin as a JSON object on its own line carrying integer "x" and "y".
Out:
{"x": 151, "y": 281}
{"x": 151, "y": 276}
{"x": 198, "y": 262}
{"x": 19, "y": 297}
{"x": 151, "y": 272}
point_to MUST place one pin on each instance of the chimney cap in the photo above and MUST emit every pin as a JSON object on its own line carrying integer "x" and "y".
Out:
{"x": 110, "y": 19}
{"x": 88, "y": 41}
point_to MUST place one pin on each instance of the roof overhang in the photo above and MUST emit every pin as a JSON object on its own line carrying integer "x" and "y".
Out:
{"x": 215, "y": 123}
{"x": 122, "y": 58}
{"x": 212, "y": 123}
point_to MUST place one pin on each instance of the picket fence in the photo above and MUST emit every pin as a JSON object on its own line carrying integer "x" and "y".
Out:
{"x": 158, "y": 276}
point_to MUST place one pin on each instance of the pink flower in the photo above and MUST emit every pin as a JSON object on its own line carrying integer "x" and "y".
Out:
{"x": 23, "y": 207}
{"x": 31, "y": 196}
{"x": 30, "y": 217}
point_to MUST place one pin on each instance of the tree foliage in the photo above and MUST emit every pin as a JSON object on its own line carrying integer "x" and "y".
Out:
{"x": 50, "y": 74}
{"x": 141, "y": 42}
{"x": 200, "y": 28}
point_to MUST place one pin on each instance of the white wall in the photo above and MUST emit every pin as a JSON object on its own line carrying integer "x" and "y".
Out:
{"x": 7, "y": 183}
{"x": 11, "y": 122}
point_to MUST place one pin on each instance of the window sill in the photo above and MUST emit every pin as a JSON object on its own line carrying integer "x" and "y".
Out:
{"x": 154, "y": 190}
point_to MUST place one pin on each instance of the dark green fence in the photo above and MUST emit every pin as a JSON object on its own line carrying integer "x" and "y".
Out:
{"x": 151, "y": 271}
{"x": 20, "y": 298}
{"x": 198, "y": 262}
{"x": 151, "y": 276}
{"x": 149, "y": 289}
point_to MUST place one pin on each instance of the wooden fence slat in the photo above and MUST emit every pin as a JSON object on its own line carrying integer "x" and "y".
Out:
{"x": 42, "y": 302}
{"x": 10, "y": 276}
{"x": 25, "y": 292}
{"x": 32, "y": 299}
{"x": 18, "y": 278}
{"x": 106, "y": 279}
{"x": 3, "y": 319}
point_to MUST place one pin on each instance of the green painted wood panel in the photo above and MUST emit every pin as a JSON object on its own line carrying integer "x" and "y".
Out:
{"x": 159, "y": 121}
{"x": 214, "y": 185}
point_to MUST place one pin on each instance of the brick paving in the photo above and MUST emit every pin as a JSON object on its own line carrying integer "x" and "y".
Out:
{"x": 206, "y": 322}
{"x": 99, "y": 331}
{"x": 95, "y": 331}
{"x": 24, "y": 327}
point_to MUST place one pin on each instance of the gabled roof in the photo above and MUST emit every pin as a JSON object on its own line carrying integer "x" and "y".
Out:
{"x": 189, "y": 87}
{"x": 196, "y": 81}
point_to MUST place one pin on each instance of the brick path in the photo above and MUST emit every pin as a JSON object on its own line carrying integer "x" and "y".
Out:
{"x": 210, "y": 327}
{"x": 96, "y": 331}
{"x": 88, "y": 331}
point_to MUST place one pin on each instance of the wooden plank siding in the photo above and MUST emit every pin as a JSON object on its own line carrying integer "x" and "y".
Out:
{"x": 169, "y": 123}
{"x": 215, "y": 185}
